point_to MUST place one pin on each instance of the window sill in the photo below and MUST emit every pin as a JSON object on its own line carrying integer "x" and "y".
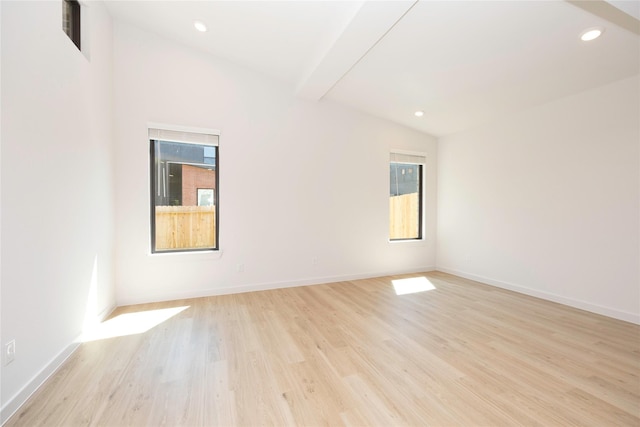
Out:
{"x": 418, "y": 242}
{"x": 191, "y": 256}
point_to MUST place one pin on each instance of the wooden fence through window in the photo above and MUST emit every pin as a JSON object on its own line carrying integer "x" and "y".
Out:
{"x": 403, "y": 220}
{"x": 185, "y": 227}
{"x": 193, "y": 227}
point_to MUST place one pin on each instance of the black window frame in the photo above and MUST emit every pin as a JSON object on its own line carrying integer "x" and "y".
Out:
{"x": 420, "y": 236}
{"x": 73, "y": 27}
{"x": 154, "y": 183}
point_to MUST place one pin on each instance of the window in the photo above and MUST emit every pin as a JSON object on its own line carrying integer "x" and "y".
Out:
{"x": 71, "y": 20}
{"x": 405, "y": 196}
{"x": 184, "y": 190}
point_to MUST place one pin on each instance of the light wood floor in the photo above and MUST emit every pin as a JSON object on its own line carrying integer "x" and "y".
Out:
{"x": 354, "y": 353}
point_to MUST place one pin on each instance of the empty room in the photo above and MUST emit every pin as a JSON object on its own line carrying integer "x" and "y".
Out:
{"x": 305, "y": 213}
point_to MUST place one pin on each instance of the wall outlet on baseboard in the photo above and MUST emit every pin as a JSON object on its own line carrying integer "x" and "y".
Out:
{"x": 9, "y": 353}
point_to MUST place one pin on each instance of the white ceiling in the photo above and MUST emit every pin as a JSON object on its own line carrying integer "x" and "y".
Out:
{"x": 461, "y": 62}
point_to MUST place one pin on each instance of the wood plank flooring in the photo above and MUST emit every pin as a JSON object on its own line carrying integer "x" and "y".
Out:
{"x": 353, "y": 354}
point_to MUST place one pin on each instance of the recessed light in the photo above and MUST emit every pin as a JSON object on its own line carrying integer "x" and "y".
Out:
{"x": 591, "y": 34}
{"x": 200, "y": 26}
{"x": 419, "y": 113}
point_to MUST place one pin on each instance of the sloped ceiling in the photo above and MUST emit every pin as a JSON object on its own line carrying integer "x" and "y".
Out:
{"x": 461, "y": 62}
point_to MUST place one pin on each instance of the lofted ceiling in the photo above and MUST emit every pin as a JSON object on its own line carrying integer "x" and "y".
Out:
{"x": 461, "y": 62}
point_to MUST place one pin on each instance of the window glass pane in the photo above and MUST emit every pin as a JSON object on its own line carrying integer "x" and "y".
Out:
{"x": 184, "y": 180}
{"x": 209, "y": 155}
{"x": 405, "y": 195}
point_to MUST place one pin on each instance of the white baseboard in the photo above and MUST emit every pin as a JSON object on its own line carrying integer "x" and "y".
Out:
{"x": 170, "y": 296}
{"x": 19, "y": 399}
{"x": 582, "y": 305}
{"x": 12, "y": 406}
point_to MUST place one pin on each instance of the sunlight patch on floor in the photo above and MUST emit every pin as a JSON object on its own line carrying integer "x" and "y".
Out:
{"x": 131, "y": 323}
{"x": 412, "y": 285}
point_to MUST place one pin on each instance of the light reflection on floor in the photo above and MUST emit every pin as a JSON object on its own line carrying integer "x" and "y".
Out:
{"x": 412, "y": 285}
{"x": 130, "y": 323}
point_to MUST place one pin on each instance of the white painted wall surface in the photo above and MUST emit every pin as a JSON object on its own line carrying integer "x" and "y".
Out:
{"x": 546, "y": 201}
{"x": 298, "y": 180}
{"x": 57, "y": 192}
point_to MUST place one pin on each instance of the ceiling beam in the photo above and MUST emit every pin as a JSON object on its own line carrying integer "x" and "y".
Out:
{"x": 609, "y": 12}
{"x": 367, "y": 28}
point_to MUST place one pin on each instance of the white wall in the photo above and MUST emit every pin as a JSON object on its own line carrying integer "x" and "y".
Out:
{"x": 546, "y": 201}
{"x": 297, "y": 180}
{"x": 57, "y": 192}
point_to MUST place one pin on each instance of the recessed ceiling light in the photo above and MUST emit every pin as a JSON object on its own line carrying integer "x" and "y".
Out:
{"x": 200, "y": 26}
{"x": 419, "y": 113}
{"x": 591, "y": 34}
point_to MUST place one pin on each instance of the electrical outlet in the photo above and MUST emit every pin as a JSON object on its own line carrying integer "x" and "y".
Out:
{"x": 9, "y": 352}
{"x": 314, "y": 260}
{"x": 240, "y": 268}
